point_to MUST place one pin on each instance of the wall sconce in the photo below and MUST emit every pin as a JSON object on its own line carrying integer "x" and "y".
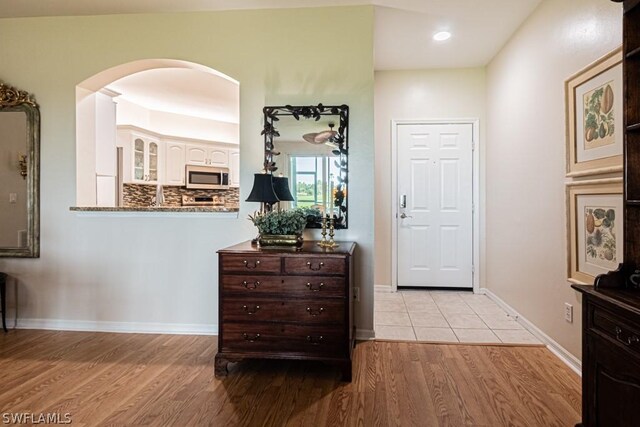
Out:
{"x": 22, "y": 164}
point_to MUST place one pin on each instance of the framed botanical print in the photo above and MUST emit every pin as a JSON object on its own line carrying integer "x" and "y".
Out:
{"x": 594, "y": 116}
{"x": 595, "y": 239}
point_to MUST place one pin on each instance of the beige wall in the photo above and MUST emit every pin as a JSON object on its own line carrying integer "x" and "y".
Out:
{"x": 416, "y": 94}
{"x": 160, "y": 272}
{"x": 525, "y": 160}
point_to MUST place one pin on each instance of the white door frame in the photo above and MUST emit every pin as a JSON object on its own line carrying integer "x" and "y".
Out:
{"x": 476, "y": 194}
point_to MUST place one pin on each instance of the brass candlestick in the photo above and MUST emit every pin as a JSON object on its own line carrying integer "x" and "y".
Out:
{"x": 323, "y": 243}
{"x": 331, "y": 243}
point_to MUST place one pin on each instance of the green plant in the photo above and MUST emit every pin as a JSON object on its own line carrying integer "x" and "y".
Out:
{"x": 280, "y": 222}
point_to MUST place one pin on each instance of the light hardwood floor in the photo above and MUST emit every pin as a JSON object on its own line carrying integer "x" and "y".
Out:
{"x": 137, "y": 379}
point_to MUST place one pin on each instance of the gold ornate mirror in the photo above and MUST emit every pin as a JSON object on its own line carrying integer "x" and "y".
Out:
{"x": 19, "y": 174}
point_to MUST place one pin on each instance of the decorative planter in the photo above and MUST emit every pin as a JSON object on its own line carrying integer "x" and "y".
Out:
{"x": 280, "y": 240}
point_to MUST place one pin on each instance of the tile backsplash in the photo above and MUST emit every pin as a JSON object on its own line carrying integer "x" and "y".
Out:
{"x": 140, "y": 195}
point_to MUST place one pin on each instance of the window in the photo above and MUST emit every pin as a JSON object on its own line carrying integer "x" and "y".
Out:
{"x": 313, "y": 178}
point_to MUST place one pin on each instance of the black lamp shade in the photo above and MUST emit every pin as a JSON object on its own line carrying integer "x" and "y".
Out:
{"x": 281, "y": 187}
{"x": 262, "y": 190}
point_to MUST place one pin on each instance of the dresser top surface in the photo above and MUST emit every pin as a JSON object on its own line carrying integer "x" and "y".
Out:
{"x": 627, "y": 298}
{"x": 308, "y": 247}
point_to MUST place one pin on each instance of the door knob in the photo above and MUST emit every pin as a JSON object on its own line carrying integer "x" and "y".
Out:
{"x": 404, "y": 215}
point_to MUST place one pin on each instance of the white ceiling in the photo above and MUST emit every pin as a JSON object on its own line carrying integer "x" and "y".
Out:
{"x": 403, "y": 40}
{"x": 171, "y": 90}
{"x": 403, "y": 28}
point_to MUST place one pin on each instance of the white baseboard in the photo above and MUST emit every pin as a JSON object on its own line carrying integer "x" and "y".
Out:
{"x": 567, "y": 358}
{"x": 139, "y": 327}
{"x": 383, "y": 288}
{"x": 365, "y": 334}
{"x": 121, "y": 327}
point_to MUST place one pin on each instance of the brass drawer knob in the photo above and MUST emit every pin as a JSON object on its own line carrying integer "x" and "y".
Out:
{"x": 250, "y": 338}
{"x": 251, "y": 266}
{"x": 251, "y": 311}
{"x": 316, "y": 289}
{"x": 250, "y": 285}
{"x": 316, "y": 268}
{"x": 315, "y": 340}
{"x": 628, "y": 340}
{"x": 317, "y": 312}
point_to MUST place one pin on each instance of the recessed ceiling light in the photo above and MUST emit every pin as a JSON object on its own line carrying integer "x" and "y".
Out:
{"x": 442, "y": 36}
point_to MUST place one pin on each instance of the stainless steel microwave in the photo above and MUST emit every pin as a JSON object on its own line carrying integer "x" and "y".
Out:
{"x": 207, "y": 177}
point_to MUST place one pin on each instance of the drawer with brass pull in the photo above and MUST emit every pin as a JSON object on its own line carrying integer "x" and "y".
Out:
{"x": 298, "y": 286}
{"x": 283, "y": 310}
{"x": 251, "y": 264}
{"x": 285, "y": 337}
{"x": 322, "y": 265}
{"x": 618, "y": 330}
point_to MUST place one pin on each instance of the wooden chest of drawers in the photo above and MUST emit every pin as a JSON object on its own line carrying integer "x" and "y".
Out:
{"x": 286, "y": 304}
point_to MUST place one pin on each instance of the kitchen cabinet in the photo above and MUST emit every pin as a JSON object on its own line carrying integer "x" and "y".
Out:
{"x": 234, "y": 168}
{"x": 207, "y": 155}
{"x": 175, "y": 162}
{"x": 143, "y": 157}
{"x": 151, "y": 158}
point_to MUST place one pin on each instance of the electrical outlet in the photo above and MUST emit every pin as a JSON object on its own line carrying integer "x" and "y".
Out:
{"x": 568, "y": 312}
{"x": 13, "y": 197}
{"x": 356, "y": 294}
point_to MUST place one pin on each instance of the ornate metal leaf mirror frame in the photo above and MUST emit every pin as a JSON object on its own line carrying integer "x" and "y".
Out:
{"x": 339, "y": 140}
{"x": 20, "y": 165}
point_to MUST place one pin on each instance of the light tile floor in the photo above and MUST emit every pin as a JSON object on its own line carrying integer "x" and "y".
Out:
{"x": 445, "y": 316}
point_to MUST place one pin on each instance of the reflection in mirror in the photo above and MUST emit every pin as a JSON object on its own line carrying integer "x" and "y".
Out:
{"x": 19, "y": 173}
{"x": 309, "y": 146}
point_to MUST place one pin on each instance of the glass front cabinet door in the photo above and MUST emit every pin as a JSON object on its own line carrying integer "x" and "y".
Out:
{"x": 145, "y": 163}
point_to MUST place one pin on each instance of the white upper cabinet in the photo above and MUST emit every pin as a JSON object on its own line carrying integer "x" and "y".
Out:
{"x": 143, "y": 157}
{"x": 234, "y": 168}
{"x": 207, "y": 155}
{"x": 175, "y": 155}
{"x": 151, "y": 158}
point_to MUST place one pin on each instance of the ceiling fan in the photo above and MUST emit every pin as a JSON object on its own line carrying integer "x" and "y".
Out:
{"x": 321, "y": 137}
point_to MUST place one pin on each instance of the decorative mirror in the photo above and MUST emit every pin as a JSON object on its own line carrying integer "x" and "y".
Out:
{"x": 19, "y": 174}
{"x": 309, "y": 145}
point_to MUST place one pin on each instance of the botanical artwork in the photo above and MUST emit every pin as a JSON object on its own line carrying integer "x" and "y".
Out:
{"x": 599, "y": 115}
{"x": 600, "y": 236}
{"x": 594, "y": 107}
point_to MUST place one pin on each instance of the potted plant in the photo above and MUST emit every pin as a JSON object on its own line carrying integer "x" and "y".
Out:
{"x": 280, "y": 227}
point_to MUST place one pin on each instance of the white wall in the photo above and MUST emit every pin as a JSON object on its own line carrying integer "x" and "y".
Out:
{"x": 525, "y": 174}
{"x": 416, "y": 94}
{"x": 86, "y": 147}
{"x": 160, "y": 272}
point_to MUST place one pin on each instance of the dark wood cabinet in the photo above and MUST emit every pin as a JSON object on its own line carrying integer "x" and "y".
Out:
{"x": 281, "y": 303}
{"x": 610, "y": 357}
{"x": 611, "y": 307}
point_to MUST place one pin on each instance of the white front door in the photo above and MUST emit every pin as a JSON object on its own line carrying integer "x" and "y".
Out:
{"x": 435, "y": 205}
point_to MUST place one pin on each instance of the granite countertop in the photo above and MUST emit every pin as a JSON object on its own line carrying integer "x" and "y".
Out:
{"x": 155, "y": 209}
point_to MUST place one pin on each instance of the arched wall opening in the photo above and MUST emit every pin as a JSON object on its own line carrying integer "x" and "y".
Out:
{"x": 140, "y": 125}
